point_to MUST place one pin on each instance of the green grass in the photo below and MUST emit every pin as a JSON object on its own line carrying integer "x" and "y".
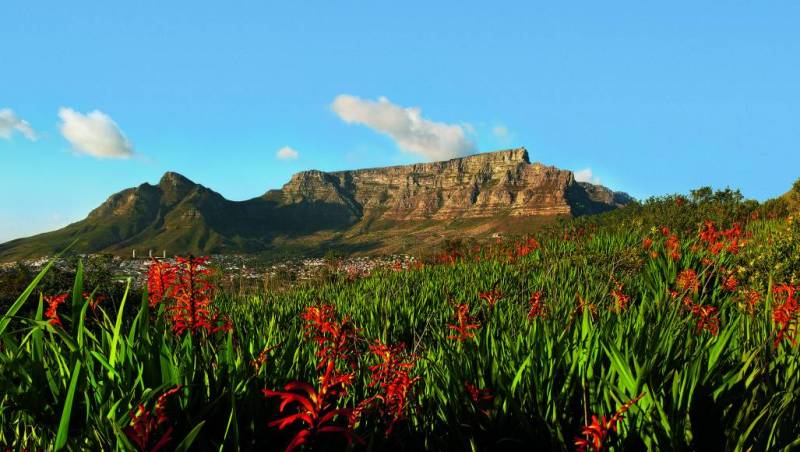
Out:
{"x": 75, "y": 386}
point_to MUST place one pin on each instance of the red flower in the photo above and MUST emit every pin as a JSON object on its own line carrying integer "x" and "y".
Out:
{"x": 647, "y": 243}
{"x": 315, "y": 411}
{"x": 336, "y": 339}
{"x": 491, "y": 297}
{"x": 53, "y": 302}
{"x": 537, "y": 306}
{"x": 145, "y": 424}
{"x": 597, "y": 432}
{"x": 464, "y": 325}
{"x": 94, "y": 300}
{"x": 160, "y": 279}
{"x": 706, "y": 316}
{"x": 716, "y": 240}
{"x": 191, "y": 310}
{"x": 787, "y": 314}
{"x": 620, "y": 298}
{"x": 450, "y": 257}
{"x": 392, "y": 375}
{"x": 526, "y": 247}
{"x": 481, "y": 398}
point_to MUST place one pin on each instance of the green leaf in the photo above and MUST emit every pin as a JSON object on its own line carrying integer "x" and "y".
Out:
{"x": 115, "y": 338}
{"x": 63, "y": 425}
{"x": 521, "y": 369}
{"x": 77, "y": 297}
{"x": 190, "y": 437}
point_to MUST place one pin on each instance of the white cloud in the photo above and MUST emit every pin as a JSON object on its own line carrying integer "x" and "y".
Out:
{"x": 95, "y": 134}
{"x": 501, "y": 133}
{"x": 406, "y": 126}
{"x": 9, "y": 122}
{"x": 586, "y": 175}
{"x": 287, "y": 153}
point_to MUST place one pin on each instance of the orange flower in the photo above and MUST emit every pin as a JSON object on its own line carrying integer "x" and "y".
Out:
{"x": 730, "y": 284}
{"x": 687, "y": 280}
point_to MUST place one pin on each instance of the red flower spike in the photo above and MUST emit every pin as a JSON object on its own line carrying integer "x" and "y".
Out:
{"x": 392, "y": 376}
{"x": 620, "y": 298}
{"x": 191, "y": 310}
{"x": 491, "y": 297}
{"x": 464, "y": 325}
{"x": 336, "y": 339}
{"x": 145, "y": 425}
{"x": 706, "y": 318}
{"x": 537, "y": 306}
{"x": 315, "y": 412}
{"x": 53, "y": 302}
{"x": 481, "y": 398}
{"x": 786, "y": 314}
{"x": 160, "y": 280}
{"x": 597, "y": 432}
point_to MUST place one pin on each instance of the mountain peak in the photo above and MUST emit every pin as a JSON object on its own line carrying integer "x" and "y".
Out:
{"x": 173, "y": 179}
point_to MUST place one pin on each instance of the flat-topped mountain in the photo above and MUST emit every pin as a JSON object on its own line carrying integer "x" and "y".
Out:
{"x": 359, "y": 209}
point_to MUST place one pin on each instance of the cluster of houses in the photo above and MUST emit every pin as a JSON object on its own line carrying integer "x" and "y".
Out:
{"x": 238, "y": 266}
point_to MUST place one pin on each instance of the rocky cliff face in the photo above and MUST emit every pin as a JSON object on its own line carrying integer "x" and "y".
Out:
{"x": 477, "y": 186}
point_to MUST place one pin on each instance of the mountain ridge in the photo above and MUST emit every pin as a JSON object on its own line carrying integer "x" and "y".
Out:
{"x": 318, "y": 210}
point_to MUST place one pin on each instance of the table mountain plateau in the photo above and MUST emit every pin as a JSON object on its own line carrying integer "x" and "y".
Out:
{"x": 357, "y": 211}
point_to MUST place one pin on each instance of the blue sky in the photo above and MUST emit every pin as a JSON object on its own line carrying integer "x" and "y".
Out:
{"x": 653, "y": 99}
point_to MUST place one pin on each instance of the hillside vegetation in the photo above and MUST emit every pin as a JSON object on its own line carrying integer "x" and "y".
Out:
{"x": 667, "y": 325}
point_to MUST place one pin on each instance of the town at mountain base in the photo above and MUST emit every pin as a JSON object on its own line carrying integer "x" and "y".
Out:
{"x": 377, "y": 210}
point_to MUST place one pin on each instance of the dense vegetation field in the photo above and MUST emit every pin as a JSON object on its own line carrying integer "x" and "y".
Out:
{"x": 671, "y": 325}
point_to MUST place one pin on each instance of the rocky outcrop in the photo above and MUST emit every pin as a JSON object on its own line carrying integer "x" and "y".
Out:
{"x": 477, "y": 186}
